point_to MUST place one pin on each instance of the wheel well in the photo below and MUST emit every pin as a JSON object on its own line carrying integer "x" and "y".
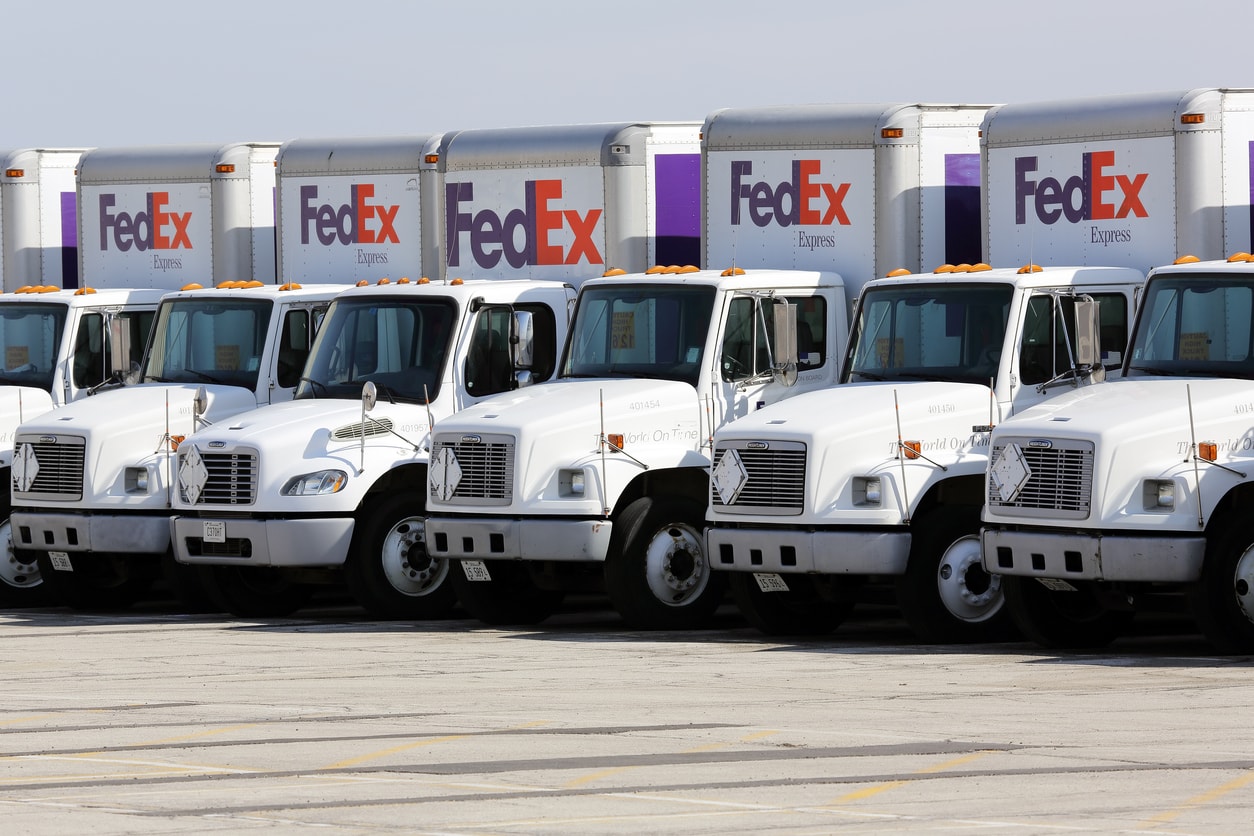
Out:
{"x": 960, "y": 490}
{"x": 410, "y": 477}
{"x": 689, "y": 482}
{"x": 1239, "y": 499}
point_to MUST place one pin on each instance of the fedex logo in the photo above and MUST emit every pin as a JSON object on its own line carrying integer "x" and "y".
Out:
{"x": 155, "y": 228}
{"x": 801, "y": 201}
{"x": 1087, "y": 196}
{"x": 359, "y": 221}
{"x": 492, "y": 236}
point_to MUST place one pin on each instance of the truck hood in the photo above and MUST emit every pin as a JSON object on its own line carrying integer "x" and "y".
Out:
{"x": 858, "y": 422}
{"x": 1139, "y": 408}
{"x": 124, "y": 416}
{"x": 315, "y": 426}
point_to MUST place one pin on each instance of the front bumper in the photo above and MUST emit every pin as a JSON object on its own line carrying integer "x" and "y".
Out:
{"x": 253, "y": 542}
{"x": 1092, "y": 557}
{"x": 502, "y": 538}
{"x": 785, "y": 550}
{"x": 125, "y": 534}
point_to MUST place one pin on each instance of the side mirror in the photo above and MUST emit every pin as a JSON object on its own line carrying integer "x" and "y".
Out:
{"x": 784, "y": 346}
{"x": 523, "y": 340}
{"x": 369, "y": 395}
{"x": 1088, "y": 349}
{"x": 119, "y": 345}
{"x": 200, "y": 403}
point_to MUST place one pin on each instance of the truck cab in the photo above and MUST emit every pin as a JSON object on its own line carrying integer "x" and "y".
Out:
{"x": 93, "y": 481}
{"x": 597, "y": 480}
{"x": 878, "y": 481}
{"x": 328, "y": 487}
{"x": 1137, "y": 494}
{"x": 58, "y": 348}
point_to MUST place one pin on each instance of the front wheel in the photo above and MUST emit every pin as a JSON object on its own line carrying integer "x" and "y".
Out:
{"x": 389, "y": 571}
{"x": 96, "y": 581}
{"x": 657, "y": 573}
{"x": 21, "y": 583}
{"x": 502, "y": 592}
{"x": 254, "y": 591}
{"x": 808, "y": 605}
{"x": 946, "y": 596}
{"x": 1223, "y": 599}
{"x": 1062, "y": 614}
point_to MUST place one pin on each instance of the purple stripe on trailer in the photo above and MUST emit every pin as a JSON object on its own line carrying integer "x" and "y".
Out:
{"x": 678, "y": 209}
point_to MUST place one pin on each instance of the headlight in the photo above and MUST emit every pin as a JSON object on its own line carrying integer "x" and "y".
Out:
{"x": 315, "y": 484}
{"x": 570, "y": 483}
{"x": 1159, "y": 495}
{"x": 866, "y": 490}
{"x": 136, "y": 480}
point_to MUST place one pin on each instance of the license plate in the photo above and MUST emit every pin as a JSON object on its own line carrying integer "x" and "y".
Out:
{"x": 770, "y": 582}
{"x": 215, "y": 531}
{"x": 475, "y": 570}
{"x": 61, "y": 561}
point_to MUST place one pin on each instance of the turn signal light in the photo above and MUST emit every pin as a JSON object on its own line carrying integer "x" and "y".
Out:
{"x": 1208, "y": 450}
{"x": 912, "y": 448}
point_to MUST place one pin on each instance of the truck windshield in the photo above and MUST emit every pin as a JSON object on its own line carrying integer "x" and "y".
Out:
{"x": 1195, "y": 325}
{"x": 399, "y": 344}
{"x": 929, "y": 332}
{"x": 209, "y": 341}
{"x": 31, "y": 337}
{"x": 640, "y": 330}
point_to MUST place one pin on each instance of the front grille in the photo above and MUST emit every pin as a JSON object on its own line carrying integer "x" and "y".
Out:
{"x": 776, "y": 477}
{"x": 486, "y": 469}
{"x": 57, "y": 467}
{"x": 231, "y": 480}
{"x": 233, "y": 547}
{"x": 1061, "y": 482}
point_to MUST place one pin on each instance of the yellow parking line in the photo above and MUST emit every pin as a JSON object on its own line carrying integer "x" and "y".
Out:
{"x": 1202, "y": 799}
{"x": 876, "y": 789}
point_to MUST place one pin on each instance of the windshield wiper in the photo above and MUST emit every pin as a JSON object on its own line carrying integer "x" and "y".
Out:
{"x": 204, "y": 376}
{"x": 1154, "y": 370}
{"x": 868, "y": 375}
{"x": 318, "y": 384}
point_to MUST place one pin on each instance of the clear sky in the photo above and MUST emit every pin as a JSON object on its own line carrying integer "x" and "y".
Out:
{"x": 84, "y": 73}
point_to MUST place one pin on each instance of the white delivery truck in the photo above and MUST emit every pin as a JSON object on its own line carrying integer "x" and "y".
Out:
{"x": 828, "y": 191}
{"x": 1128, "y": 181}
{"x": 38, "y": 218}
{"x": 567, "y": 202}
{"x": 1120, "y": 499}
{"x": 93, "y": 481}
{"x": 278, "y": 499}
{"x": 166, "y": 216}
{"x": 817, "y": 501}
{"x": 57, "y": 348}
{"x": 1099, "y": 182}
{"x": 600, "y": 475}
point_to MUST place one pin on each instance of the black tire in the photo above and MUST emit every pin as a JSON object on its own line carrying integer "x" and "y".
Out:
{"x": 812, "y": 605}
{"x": 21, "y": 581}
{"x": 945, "y": 595}
{"x": 1222, "y": 601}
{"x": 508, "y": 597}
{"x": 657, "y": 573}
{"x": 185, "y": 583}
{"x": 254, "y": 591}
{"x": 1075, "y": 619}
{"x": 389, "y": 571}
{"x": 98, "y": 582}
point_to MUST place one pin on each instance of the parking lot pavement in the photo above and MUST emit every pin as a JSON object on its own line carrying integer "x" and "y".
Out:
{"x": 156, "y": 722}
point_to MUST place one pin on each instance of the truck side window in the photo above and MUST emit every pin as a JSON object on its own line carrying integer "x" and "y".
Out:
{"x": 89, "y": 351}
{"x": 1046, "y": 350}
{"x": 544, "y": 331}
{"x": 488, "y": 366}
{"x": 294, "y": 345}
{"x": 750, "y": 331}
